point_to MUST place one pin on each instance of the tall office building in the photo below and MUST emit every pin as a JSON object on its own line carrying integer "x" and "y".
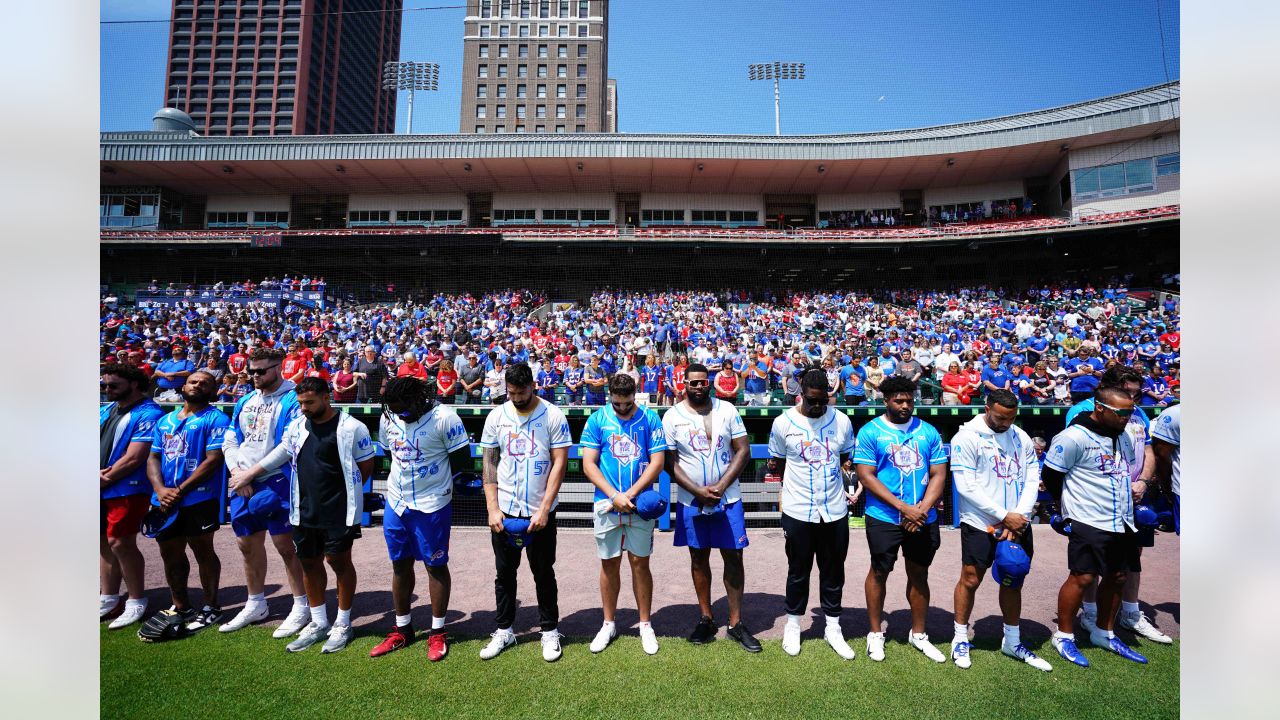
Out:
{"x": 611, "y": 107}
{"x": 535, "y": 66}
{"x": 283, "y": 67}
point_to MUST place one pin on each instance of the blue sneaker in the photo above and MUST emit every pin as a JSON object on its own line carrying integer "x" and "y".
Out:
{"x": 960, "y": 654}
{"x": 1066, "y": 647}
{"x": 1117, "y": 646}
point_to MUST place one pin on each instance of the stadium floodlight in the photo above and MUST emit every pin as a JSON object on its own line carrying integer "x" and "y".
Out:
{"x": 410, "y": 76}
{"x": 776, "y": 71}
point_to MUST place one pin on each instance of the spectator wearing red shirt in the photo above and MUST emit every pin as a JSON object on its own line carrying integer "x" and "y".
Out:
{"x": 238, "y": 361}
{"x": 1172, "y": 339}
{"x": 344, "y": 383}
{"x": 955, "y": 386}
{"x": 446, "y": 383}
{"x": 434, "y": 358}
{"x": 411, "y": 367}
{"x": 318, "y": 370}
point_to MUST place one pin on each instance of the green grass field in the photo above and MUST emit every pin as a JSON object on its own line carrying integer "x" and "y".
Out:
{"x": 249, "y": 675}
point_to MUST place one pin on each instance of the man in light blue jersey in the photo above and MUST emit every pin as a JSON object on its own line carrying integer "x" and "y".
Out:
{"x": 1167, "y": 443}
{"x": 189, "y": 478}
{"x": 900, "y": 461}
{"x": 623, "y": 448}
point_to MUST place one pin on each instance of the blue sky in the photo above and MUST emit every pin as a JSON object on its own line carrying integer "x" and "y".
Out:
{"x": 681, "y": 66}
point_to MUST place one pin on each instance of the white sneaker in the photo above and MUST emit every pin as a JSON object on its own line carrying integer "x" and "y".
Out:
{"x": 1142, "y": 627}
{"x": 309, "y": 636}
{"x": 551, "y": 645}
{"x": 648, "y": 639}
{"x": 603, "y": 638}
{"x": 836, "y": 640}
{"x": 298, "y": 618}
{"x": 131, "y": 615}
{"x": 875, "y": 646}
{"x": 248, "y": 615}
{"x": 791, "y": 639}
{"x": 1089, "y": 621}
{"x": 1020, "y": 652}
{"x": 921, "y": 643}
{"x": 339, "y": 636}
{"x": 960, "y": 654}
{"x": 106, "y": 607}
{"x": 500, "y": 640}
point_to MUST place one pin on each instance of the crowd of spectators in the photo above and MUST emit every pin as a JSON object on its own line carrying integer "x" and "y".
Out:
{"x": 1048, "y": 344}
{"x": 248, "y": 288}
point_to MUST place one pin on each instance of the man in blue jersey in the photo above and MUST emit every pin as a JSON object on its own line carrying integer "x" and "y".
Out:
{"x": 1084, "y": 372}
{"x": 126, "y": 426}
{"x": 755, "y": 380}
{"x": 623, "y": 449}
{"x": 900, "y": 461}
{"x": 188, "y": 477}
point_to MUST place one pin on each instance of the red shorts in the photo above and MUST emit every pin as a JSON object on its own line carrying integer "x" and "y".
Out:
{"x": 122, "y": 516}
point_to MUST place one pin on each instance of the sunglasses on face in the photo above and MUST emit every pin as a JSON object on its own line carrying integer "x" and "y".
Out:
{"x": 261, "y": 371}
{"x": 1116, "y": 410}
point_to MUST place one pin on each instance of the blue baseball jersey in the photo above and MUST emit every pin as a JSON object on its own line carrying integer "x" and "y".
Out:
{"x": 902, "y": 460}
{"x": 182, "y": 444}
{"x": 624, "y": 445}
{"x": 137, "y": 424}
{"x": 649, "y": 378}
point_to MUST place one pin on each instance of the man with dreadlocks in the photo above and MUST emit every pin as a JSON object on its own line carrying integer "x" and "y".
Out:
{"x": 428, "y": 445}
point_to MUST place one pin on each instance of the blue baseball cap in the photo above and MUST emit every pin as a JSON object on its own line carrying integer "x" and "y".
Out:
{"x": 468, "y": 483}
{"x": 517, "y": 532}
{"x": 1011, "y": 564}
{"x": 157, "y": 521}
{"x": 1145, "y": 517}
{"x": 650, "y": 505}
{"x": 265, "y": 504}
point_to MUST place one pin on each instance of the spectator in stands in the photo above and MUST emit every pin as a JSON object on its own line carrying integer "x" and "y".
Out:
{"x": 238, "y": 361}
{"x": 214, "y": 367}
{"x": 471, "y": 379}
{"x": 909, "y": 368}
{"x": 171, "y": 374}
{"x": 574, "y": 380}
{"x": 727, "y": 383}
{"x": 344, "y": 383}
{"x": 995, "y": 377}
{"x": 1038, "y": 387}
{"x": 1083, "y": 373}
{"x": 410, "y": 367}
{"x": 875, "y": 375}
{"x": 833, "y": 378}
{"x": 495, "y": 381}
{"x": 295, "y": 365}
{"x": 371, "y": 376}
{"x": 943, "y": 361}
{"x": 318, "y": 370}
{"x": 955, "y": 386}
{"x": 242, "y": 387}
{"x": 853, "y": 377}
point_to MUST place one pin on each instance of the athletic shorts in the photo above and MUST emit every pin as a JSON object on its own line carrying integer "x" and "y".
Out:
{"x": 978, "y": 547}
{"x": 418, "y": 535}
{"x": 885, "y": 538}
{"x": 725, "y": 530}
{"x": 1091, "y": 551}
{"x": 617, "y": 532}
{"x": 195, "y": 520}
{"x": 1146, "y": 537}
{"x": 312, "y": 542}
{"x": 245, "y": 523}
{"x": 122, "y": 516}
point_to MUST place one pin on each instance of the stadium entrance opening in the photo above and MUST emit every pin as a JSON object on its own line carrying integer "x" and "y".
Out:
{"x": 318, "y": 212}
{"x": 784, "y": 211}
{"x": 479, "y": 209}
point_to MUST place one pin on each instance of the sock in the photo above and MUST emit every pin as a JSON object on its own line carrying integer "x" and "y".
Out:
{"x": 644, "y": 625}
{"x": 299, "y": 601}
{"x": 404, "y": 621}
{"x": 344, "y": 616}
{"x": 258, "y": 599}
{"x": 607, "y": 624}
{"x": 793, "y": 620}
{"x": 1089, "y": 608}
{"x": 962, "y": 633}
{"x": 1012, "y": 634}
{"x": 833, "y": 623}
{"x": 437, "y": 623}
{"x": 131, "y": 603}
{"x": 1129, "y": 608}
{"x": 1110, "y": 633}
{"x": 505, "y": 629}
{"x": 1059, "y": 635}
{"x": 319, "y": 616}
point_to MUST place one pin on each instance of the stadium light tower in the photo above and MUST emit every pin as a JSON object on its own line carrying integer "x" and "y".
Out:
{"x": 410, "y": 76}
{"x": 776, "y": 71}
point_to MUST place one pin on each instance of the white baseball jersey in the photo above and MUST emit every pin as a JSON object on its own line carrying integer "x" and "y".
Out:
{"x": 1168, "y": 427}
{"x": 1097, "y": 490}
{"x": 812, "y": 484}
{"x": 420, "y": 477}
{"x": 995, "y": 473}
{"x": 704, "y": 459}
{"x": 525, "y": 443}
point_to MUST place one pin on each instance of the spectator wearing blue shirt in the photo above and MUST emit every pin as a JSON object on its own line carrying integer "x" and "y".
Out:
{"x": 995, "y": 377}
{"x": 755, "y": 376}
{"x": 852, "y": 377}
{"x": 171, "y": 374}
{"x": 1083, "y": 372}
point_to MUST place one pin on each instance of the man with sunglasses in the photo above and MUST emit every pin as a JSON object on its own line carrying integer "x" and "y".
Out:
{"x": 1088, "y": 465}
{"x": 258, "y": 423}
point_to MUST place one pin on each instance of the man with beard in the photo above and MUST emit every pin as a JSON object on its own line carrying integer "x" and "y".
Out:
{"x": 188, "y": 478}
{"x": 807, "y": 445}
{"x": 526, "y": 448}
{"x": 707, "y": 448}
{"x": 126, "y": 427}
{"x": 330, "y": 455}
{"x": 901, "y": 462}
{"x": 258, "y": 424}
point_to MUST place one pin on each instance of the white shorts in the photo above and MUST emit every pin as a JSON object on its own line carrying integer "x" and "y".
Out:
{"x": 630, "y": 532}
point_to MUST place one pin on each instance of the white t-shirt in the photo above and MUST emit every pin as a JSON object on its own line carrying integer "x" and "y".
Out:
{"x": 704, "y": 459}
{"x": 525, "y": 443}
{"x": 1168, "y": 427}
{"x": 812, "y": 484}
{"x": 1097, "y": 489}
{"x": 995, "y": 473}
{"x": 420, "y": 477}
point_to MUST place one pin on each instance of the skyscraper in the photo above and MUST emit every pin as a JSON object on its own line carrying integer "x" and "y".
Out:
{"x": 283, "y": 67}
{"x": 535, "y": 66}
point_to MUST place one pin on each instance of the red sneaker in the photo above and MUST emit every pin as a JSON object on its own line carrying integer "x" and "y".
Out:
{"x": 437, "y": 646}
{"x": 395, "y": 640}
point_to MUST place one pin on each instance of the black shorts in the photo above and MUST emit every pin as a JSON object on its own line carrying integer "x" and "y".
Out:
{"x": 1091, "y": 551}
{"x": 195, "y": 520}
{"x": 313, "y": 542}
{"x": 978, "y": 547}
{"x": 885, "y": 538}
{"x": 1146, "y": 537}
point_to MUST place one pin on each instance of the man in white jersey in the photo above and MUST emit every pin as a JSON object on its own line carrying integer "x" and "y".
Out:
{"x": 808, "y": 445}
{"x": 1088, "y": 464}
{"x": 997, "y": 475}
{"x": 707, "y": 448}
{"x": 428, "y": 445}
{"x": 1166, "y": 436}
{"x": 258, "y": 423}
{"x": 526, "y": 448}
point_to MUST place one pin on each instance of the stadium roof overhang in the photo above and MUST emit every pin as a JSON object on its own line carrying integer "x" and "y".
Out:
{"x": 1013, "y": 147}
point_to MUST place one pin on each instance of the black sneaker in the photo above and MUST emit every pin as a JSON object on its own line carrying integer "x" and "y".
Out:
{"x": 204, "y": 618}
{"x": 744, "y": 637}
{"x": 704, "y": 632}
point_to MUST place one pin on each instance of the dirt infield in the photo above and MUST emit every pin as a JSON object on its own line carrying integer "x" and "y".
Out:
{"x": 675, "y": 608}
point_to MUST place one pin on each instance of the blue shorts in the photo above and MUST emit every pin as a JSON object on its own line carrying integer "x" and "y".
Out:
{"x": 726, "y": 530}
{"x": 245, "y": 523}
{"x": 418, "y": 535}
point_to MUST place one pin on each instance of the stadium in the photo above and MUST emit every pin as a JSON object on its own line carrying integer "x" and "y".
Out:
{"x": 563, "y": 249}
